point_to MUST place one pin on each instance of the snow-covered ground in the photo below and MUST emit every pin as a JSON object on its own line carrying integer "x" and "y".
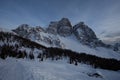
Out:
{"x": 74, "y": 45}
{"x": 24, "y": 69}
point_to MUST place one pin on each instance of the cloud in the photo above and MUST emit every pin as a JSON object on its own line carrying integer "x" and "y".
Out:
{"x": 113, "y": 34}
{"x": 102, "y": 16}
{"x": 110, "y": 22}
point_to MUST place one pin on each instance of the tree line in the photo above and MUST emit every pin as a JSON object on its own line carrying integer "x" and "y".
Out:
{"x": 7, "y": 50}
{"x": 75, "y": 58}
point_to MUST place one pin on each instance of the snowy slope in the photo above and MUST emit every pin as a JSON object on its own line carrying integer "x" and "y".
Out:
{"x": 70, "y": 42}
{"x": 14, "y": 69}
{"x": 73, "y": 44}
{"x": 48, "y": 40}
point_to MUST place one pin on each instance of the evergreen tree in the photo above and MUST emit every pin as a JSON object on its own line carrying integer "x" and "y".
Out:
{"x": 31, "y": 56}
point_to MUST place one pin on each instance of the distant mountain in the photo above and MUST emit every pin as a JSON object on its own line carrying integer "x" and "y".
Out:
{"x": 38, "y": 34}
{"x": 86, "y": 35}
{"x": 62, "y": 27}
{"x": 51, "y": 36}
{"x": 62, "y": 34}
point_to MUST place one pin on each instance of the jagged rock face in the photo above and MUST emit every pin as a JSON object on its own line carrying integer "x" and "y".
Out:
{"x": 116, "y": 47}
{"x": 64, "y": 31}
{"x": 39, "y": 29}
{"x": 83, "y": 33}
{"x": 38, "y": 34}
{"x": 52, "y": 28}
{"x": 23, "y": 30}
{"x": 62, "y": 27}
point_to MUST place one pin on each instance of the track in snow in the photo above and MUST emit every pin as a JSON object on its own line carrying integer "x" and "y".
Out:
{"x": 24, "y": 69}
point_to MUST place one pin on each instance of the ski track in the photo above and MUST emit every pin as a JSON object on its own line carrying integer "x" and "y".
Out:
{"x": 24, "y": 69}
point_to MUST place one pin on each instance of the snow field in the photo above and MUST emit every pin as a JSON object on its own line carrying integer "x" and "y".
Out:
{"x": 24, "y": 69}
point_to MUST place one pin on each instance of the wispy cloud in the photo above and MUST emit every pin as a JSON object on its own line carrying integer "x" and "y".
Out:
{"x": 103, "y": 16}
{"x": 111, "y": 22}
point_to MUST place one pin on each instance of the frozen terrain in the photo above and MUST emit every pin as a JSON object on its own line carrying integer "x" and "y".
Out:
{"x": 24, "y": 69}
{"x": 61, "y": 34}
{"x": 72, "y": 44}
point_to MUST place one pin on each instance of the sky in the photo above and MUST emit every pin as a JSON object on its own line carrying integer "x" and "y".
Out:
{"x": 103, "y": 16}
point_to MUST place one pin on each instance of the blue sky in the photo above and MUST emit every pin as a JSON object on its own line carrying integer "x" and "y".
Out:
{"x": 103, "y": 16}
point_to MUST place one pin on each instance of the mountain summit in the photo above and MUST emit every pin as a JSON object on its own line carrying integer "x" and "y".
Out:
{"x": 85, "y": 34}
{"x": 56, "y": 29}
{"x": 62, "y": 27}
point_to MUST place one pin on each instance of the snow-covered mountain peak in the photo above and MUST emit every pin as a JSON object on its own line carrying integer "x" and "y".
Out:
{"x": 85, "y": 34}
{"x": 84, "y": 29}
{"x": 65, "y": 22}
{"x": 62, "y": 27}
{"x": 24, "y": 27}
{"x": 52, "y": 28}
{"x": 39, "y": 35}
{"x": 58, "y": 32}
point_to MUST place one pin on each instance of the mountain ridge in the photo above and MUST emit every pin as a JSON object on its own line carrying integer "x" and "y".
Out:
{"x": 63, "y": 28}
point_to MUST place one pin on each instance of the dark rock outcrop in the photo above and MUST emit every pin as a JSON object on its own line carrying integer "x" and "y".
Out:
{"x": 38, "y": 34}
{"x": 86, "y": 35}
{"x": 62, "y": 27}
{"x": 52, "y": 28}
